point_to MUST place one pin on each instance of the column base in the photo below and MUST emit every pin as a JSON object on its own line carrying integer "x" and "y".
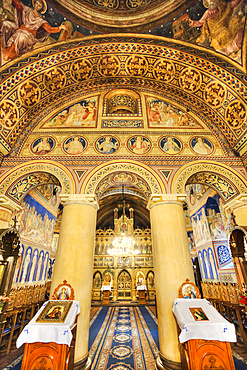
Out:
{"x": 163, "y": 363}
{"x": 84, "y": 364}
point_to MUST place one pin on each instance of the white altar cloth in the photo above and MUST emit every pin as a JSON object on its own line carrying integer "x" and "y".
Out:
{"x": 215, "y": 328}
{"x": 59, "y": 333}
{"x": 141, "y": 287}
{"x": 106, "y": 287}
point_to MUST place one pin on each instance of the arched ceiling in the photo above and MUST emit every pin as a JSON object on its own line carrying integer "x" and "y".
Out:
{"x": 120, "y": 15}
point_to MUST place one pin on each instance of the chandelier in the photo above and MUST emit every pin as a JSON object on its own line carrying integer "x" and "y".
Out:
{"x": 123, "y": 245}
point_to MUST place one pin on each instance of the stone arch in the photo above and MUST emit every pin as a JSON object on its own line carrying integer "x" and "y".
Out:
{"x": 149, "y": 176}
{"x": 226, "y": 181}
{"x": 21, "y": 179}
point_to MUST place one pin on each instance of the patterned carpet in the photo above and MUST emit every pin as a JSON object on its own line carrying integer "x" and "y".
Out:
{"x": 123, "y": 338}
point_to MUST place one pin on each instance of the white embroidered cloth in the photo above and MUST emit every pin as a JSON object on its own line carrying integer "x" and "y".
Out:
{"x": 59, "y": 333}
{"x": 141, "y": 287}
{"x": 193, "y": 327}
{"x": 106, "y": 287}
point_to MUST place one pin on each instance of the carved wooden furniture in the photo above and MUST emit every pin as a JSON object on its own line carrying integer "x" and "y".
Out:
{"x": 50, "y": 356}
{"x": 142, "y": 297}
{"x": 54, "y": 347}
{"x": 206, "y": 354}
{"x": 24, "y": 303}
{"x": 106, "y": 297}
{"x": 199, "y": 350}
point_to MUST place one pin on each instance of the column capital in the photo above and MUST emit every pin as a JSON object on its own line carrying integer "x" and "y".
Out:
{"x": 86, "y": 199}
{"x": 157, "y": 199}
{"x": 238, "y": 201}
{"x": 6, "y": 202}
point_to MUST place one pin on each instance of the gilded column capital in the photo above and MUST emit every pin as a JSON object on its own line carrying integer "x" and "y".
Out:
{"x": 84, "y": 199}
{"x": 237, "y": 202}
{"x": 158, "y": 199}
{"x": 8, "y": 203}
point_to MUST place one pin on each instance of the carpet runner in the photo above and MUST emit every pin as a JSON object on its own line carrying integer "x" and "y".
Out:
{"x": 123, "y": 338}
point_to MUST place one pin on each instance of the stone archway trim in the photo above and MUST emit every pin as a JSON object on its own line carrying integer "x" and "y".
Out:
{"x": 151, "y": 177}
{"x": 185, "y": 172}
{"x": 57, "y": 170}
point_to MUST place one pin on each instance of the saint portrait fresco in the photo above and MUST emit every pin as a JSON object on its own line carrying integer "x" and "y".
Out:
{"x": 43, "y": 145}
{"x": 170, "y": 145}
{"x": 74, "y": 145}
{"x": 201, "y": 145}
{"x": 107, "y": 144}
{"x": 161, "y": 113}
{"x": 82, "y": 114}
{"x": 24, "y": 26}
{"x": 139, "y": 145}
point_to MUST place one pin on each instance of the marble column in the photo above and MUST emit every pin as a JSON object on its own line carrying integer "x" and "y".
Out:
{"x": 74, "y": 263}
{"x": 172, "y": 266}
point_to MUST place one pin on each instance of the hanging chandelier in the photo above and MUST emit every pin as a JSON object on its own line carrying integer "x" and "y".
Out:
{"x": 123, "y": 244}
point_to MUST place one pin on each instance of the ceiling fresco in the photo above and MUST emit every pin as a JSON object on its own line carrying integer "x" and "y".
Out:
{"x": 214, "y": 24}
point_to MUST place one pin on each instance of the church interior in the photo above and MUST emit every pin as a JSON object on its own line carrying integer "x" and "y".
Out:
{"x": 123, "y": 149}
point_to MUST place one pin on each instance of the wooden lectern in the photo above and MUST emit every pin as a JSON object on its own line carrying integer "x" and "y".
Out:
{"x": 142, "y": 293}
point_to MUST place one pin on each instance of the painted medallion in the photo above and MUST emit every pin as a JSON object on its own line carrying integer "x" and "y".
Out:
{"x": 43, "y": 145}
{"x": 139, "y": 145}
{"x": 201, "y": 145}
{"x": 170, "y": 145}
{"x": 74, "y": 145}
{"x": 107, "y": 144}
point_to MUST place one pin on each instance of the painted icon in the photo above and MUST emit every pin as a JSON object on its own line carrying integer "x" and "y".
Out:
{"x": 139, "y": 145}
{"x": 170, "y": 145}
{"x": 107, "y": 144}
{"x": 74, "y": 145}
{"x": 201, "y": 145}
{"x": 43, "y": 145}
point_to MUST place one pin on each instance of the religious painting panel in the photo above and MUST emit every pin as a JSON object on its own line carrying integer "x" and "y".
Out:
{"x": 149, "y": 261}
{"x": 98, "y": 261}
{"x": 108, "y": 261}
{"x": 170, "y": 145}
{"x": 139, "y": 261}
{"x": 63, "y": 291}
{"x": 97, "y": 280}
{"x": 54, "y": 312}
{"x": 75, "y": 145}
{"x": 163, "y": 114}
{"x": 150, "y": 280}
{"x": 80, "y": 115}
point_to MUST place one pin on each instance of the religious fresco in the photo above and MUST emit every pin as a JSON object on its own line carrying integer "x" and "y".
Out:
{"x": 82, "y": 114}
{"x": 170, "y": 145}
{"x": 43, "y": 145}
{"x": 36, "y": 223}
{"x": 162, "y": 114}
{"x": 139, "y": 145}
{"x": 107, "y": 144}
{"x": 201, "y": 145}
{"x": 215, "y": 24}
{"x": 46, "y": 23}
{"x": 75, "y": 145}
